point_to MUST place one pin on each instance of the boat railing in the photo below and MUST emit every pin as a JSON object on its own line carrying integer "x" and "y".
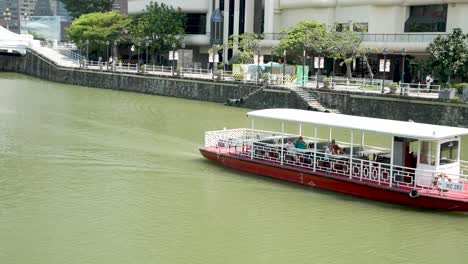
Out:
{"x": 361, "y": 166}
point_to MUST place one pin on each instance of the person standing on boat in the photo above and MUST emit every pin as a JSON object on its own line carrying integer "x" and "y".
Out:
{"x": 300, "y": 144}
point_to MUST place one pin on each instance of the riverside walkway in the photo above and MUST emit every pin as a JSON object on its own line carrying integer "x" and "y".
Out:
{"x": 65, "y": 56}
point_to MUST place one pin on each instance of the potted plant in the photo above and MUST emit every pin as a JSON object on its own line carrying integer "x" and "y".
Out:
{"x": 393, "y": 88}
{"x": 327, "y": 83}
{"x": 219, "y": 74}
{"x": 265, "y": 77}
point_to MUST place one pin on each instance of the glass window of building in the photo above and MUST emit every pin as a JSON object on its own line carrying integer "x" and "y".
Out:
{"x": 196, "y": 24}
{"x": 427, "y": 18}
{"x": 361, "y": 27}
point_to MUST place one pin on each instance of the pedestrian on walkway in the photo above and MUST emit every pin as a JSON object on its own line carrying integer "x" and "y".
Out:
{"x": 429, "y": 81}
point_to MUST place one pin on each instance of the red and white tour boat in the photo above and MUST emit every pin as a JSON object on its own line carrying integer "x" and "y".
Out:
{"x": 422, "y": 166}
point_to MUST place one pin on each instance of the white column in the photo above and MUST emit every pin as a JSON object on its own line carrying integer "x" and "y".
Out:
{"x": 217, "y": 4}
{"x": 391, "y": 161}
{"x": 236, "y": 22}
{"x": 208, "y": 17}
{"x": 351, "y": 155}
{"x": 226, "y": 29}
{"x": 249, "y": 15}
{"x": 282, "y": 142}
{"x": 269, "y": 18}
{"x": 315, "y": 148}
{"x": 252, "y": 140}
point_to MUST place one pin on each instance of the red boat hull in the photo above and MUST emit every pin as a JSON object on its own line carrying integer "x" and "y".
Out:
{"x": 336, "y": 183}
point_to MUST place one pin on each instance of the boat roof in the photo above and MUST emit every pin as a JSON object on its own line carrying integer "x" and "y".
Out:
{"x": 367, "y": 124}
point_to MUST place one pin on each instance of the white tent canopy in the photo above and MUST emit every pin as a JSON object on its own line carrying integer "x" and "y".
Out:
{"x": 11, "y": 42}
{"x": 359, "y": 123}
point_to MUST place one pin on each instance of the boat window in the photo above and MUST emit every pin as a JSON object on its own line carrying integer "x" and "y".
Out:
{"x": 448, "y": 152}
{"x": 428, "y": 153}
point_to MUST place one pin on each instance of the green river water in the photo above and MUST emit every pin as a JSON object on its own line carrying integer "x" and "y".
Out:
{"x": 100, "y": 176}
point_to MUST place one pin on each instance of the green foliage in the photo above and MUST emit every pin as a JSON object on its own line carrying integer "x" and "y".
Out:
{"x": 449, "y": 54}
{"x": 394, "y": 84}
{"x": 327, "y": 79}
{"x": 98, "y": 28}
{"x": 460, "y": 86}
{"x": 314, "y": 37}
{"x": 345, "y": 45}
{"x": 161, "y": 23}
{"x": 307, "y": 35}
{"x": 76, "y": 8}
{"x": 248, "y": 43}
{"x": 37, "y": 35}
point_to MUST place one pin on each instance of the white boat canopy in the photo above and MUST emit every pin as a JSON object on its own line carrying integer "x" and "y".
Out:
{"x": 367, "y": 124}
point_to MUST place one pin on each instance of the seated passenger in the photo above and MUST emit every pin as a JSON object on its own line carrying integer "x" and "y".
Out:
{"x": 300, "y": 144}
{"x": 289, "y": 145}
{"x": 334, "y": 148}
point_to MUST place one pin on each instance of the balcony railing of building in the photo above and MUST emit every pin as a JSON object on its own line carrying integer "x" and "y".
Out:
{"x": 401, "y": 37}
{"x": 377, "y": 37}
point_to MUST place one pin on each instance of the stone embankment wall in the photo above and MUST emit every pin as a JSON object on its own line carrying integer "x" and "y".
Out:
{"x": 206, "y": 90}
{"x": 433, "y": 111}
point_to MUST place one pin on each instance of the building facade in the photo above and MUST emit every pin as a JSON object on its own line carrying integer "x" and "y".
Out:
{"x": 391, "y": 24}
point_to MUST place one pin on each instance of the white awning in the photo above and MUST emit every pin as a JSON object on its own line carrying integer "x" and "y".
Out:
{"x": 10, "y": 41}
{"x": 367, "y": 124}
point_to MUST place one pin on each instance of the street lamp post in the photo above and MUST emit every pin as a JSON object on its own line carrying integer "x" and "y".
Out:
{"x": 80, "y": 43}
{"x": 403, "y": 54}
{"x": 258, "y": 63}
{"x": 213, "y": 48}
{"x": 173, "y": 57}
{"x": 271, "y": 63}
{"x": 284, "y": 64}
{"x": 87, "y": 51}
{"x": 319, "y": 63}
{"x": 385, "y": 52}
{"x": 303, "y": 68}
{"x": 182, "y": 58}
{"x": 7, "y": 17}
{"x": 225, "y": 55}
{"x": 26, "y": 18}
{"x": 107, "y": 54}
{"x": 147, "y": 44}
{"x": 138, "y": 56}
{"x": 114, "y": 55}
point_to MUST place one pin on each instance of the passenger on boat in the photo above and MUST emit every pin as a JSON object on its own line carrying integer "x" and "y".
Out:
{"x": 289, "y": 145}
{"x": 300, "y": 144}
{"x": 290, "y": 153}
{"x": 334, "y": 148}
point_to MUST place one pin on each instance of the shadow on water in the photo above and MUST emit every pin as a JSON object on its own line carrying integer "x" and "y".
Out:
{"x": 336, "y": 195}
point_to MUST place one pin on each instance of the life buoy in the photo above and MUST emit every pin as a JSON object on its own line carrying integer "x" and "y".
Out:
{"x": 414, "y": 194}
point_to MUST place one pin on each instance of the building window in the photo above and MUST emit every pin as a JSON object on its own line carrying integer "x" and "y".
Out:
{"x": 427, "y": 18}
{"x": 196, "y": 24}
{"x": 361, "y": 27}
{"x": 340, "y": 27}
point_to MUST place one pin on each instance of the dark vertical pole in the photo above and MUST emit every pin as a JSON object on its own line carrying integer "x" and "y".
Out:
{"x": 284, "y": 65}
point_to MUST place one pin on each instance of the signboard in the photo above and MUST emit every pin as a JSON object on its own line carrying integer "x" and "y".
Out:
{"x": 302, "y": 78}
{"x": 256, "y": 59}
{"x": 319, "y": 61}
{"x": 171, "y": 55}
{"x": 387, "y": 66}
{"x": 210, "y": 57}
{"x": 452, "y": 186}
